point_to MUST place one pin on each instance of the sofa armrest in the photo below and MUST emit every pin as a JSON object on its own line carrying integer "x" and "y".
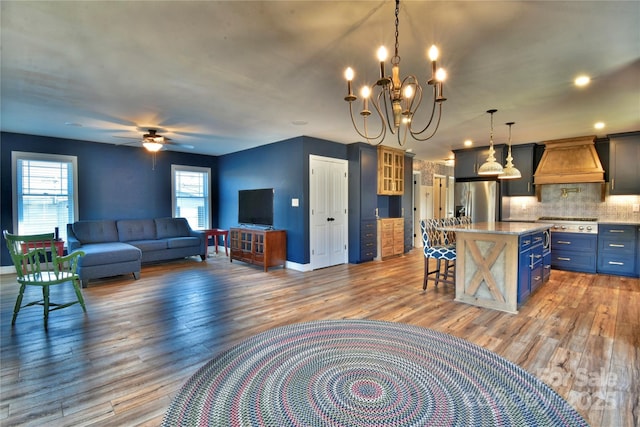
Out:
{"x": 203, "y": 239}
{"x": 72, "y": 241}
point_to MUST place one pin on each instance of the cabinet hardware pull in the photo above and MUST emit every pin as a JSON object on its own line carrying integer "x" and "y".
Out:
{"x": 616, "y": 231}
{"x": 616, "y": 263}
{"x": 537, "y": 277}
{"x": 564, "y": 259}
{"x": 547, "y": 267}
{"x": 614, "y": 245}
{"x": 526, "y": 242}
{"x": 538, "y": 256}
{"x": 563, "y": 242}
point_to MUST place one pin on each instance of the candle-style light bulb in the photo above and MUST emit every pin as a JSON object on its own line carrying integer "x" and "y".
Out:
{"x": 433, "y": 53}
{"x": 365, "y": 92}
{"x": 382, "y": 56}
{"x": 408, "y": 92}
{"x": 441, "y": 76}
{"x": 348, "y": 74}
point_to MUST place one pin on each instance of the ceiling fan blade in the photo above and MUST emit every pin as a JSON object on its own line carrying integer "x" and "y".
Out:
{"x": 177, "y": 144}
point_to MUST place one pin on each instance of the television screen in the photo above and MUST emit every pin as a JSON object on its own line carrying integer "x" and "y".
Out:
{"x": 255, "y": 207}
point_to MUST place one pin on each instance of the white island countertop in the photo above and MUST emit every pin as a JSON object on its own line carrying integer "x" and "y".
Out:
{"x": 516, "y": 228}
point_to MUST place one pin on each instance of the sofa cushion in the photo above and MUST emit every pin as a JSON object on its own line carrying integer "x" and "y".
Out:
{"x": 108, "y": 253}
{"x": 172, "y": 227}
{"x": 150, "y": 245}
{"x": 136, "y": 229}
{"x": 96, "y": 231}
{"x": 183, "y": 242}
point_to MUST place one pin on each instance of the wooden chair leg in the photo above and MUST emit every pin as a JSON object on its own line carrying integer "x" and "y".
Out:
{"x": 426, "y": 273}
{"x": 16, "y": 308}
{"x": 45, "y": 295}
{"x": 76, "y": 287}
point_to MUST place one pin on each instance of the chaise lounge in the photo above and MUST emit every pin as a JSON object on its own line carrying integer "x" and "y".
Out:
{"x": 115, "y": 247}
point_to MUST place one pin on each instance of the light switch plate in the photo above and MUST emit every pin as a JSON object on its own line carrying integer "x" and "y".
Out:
{"x": 295, "y": 203}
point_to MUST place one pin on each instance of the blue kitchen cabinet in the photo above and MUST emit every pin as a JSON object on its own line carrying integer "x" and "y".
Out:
{"x": 617, "y": 249}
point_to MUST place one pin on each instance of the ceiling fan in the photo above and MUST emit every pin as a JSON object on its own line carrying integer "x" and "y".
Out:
{"x": 155, "y": 142}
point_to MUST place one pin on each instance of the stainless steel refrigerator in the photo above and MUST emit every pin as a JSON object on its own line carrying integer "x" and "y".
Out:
{"x": 479, "y": 200}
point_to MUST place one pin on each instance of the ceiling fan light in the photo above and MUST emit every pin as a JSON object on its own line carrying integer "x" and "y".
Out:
{"x": 154, "y": 147}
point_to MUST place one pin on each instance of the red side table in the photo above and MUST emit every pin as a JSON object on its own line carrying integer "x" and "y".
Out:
{"x": 215, "y": 233}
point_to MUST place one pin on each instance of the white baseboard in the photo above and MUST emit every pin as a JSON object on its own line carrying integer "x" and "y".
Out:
{"x": 7, "y": 269}
{"x": 298, "y": 267}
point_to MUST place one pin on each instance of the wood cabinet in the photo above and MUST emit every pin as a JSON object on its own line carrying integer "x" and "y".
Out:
{"x": 617, "y": 249}
{"x": 624, "y": 163}
{"x": 390, "y": 237}
{"x": 390, "y": 171}
{"x": 362, "y": 202}
{"x": 524, "y": 161}
{"x": 469, "y": 160}
{"x": 267, "y": 248}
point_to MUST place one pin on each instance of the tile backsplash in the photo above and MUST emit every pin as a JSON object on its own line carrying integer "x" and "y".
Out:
{"x": 572, "y": 200}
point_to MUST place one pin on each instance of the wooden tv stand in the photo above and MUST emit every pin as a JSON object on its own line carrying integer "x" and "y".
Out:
{"x": 267, "y": 248}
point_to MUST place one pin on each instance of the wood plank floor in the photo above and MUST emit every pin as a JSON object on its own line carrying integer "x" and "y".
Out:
{"x": 122, "y": 362}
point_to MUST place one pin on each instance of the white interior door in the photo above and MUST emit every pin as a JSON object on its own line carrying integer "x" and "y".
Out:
{"x": 439, "y": 197}
{"x": 328, "y": 194}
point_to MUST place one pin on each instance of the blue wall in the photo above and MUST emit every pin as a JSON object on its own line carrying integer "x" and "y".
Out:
{"x": 118, "y": 181}
{"x": 283, "y": 166}
{"x": 115, "y": 182}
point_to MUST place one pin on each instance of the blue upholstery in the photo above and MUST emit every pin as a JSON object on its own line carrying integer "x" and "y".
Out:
{"x": 120, "y": 247}
{"x": 95, "y": 231}
{"x": 136, "y": 229}
{"x": 436, "y": 245}
{"x": 172, "y": 227}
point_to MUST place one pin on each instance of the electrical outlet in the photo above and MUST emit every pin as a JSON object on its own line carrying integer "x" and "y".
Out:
{"x": 636, "y": 207}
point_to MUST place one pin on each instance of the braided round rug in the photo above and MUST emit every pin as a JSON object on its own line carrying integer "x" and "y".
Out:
{"x": 364, "y": 373}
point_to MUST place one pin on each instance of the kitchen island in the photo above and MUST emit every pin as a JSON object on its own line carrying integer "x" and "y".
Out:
{"x": 498, "y": 264}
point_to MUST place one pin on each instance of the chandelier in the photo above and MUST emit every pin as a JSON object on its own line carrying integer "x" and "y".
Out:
{"x": 396, "y": 101}
{"x": 491, "y": 167}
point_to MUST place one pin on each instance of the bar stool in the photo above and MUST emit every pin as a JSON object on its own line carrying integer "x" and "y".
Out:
{"x": 436, "y": 246}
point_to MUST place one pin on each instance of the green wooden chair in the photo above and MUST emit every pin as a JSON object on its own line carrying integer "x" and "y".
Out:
{"x": 37, "y": 263}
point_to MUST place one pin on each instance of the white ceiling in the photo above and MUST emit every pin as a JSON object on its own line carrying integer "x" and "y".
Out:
{"x": 227, "y": 76}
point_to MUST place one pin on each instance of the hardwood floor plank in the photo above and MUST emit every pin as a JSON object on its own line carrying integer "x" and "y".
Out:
{"x": 140, "y": 341}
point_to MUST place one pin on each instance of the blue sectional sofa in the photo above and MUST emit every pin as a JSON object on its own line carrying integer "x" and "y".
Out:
{"x": 114, "y": 247}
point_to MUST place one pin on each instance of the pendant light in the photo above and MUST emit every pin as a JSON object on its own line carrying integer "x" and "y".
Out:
{"x": 491, "y": 167}
{"x": 510, "y": 171}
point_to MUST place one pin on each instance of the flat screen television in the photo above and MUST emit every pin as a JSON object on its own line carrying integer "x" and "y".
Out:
{"x": 255, "y": 207}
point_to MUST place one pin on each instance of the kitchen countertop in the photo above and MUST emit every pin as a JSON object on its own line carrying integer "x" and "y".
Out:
{"x": 619, "y": 221}
{"x": 599, "y": 221}
{"x": 516, "y": 228}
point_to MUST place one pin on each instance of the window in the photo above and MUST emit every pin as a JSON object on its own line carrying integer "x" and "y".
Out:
{"x": 45, "y": 192}
{"x": 190, "y": 188}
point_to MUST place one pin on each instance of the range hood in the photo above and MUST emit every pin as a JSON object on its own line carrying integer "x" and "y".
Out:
{"x": 569, "y": 161}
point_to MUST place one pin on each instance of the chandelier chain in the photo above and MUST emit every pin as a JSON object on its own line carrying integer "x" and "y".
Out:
{"x": 396, "y": 58}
